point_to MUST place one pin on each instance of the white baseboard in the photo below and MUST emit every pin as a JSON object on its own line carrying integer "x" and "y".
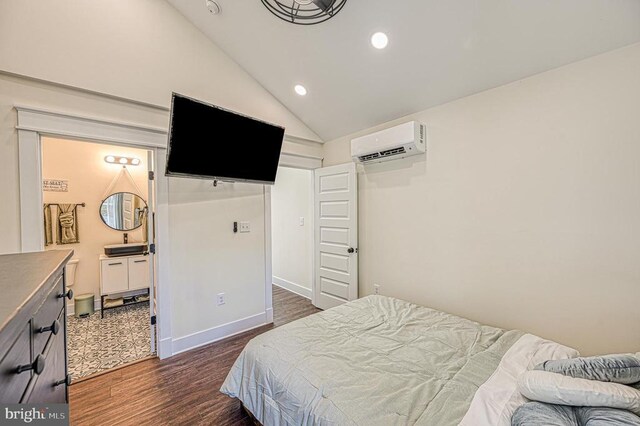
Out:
{"x": 292, "y": 287}
{"x": 168, "y": 347}
{"x": 164, "y": 348}
{"x": 201, "y": 338}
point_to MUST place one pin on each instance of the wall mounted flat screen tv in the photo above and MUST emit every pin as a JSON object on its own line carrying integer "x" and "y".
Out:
{"x": 209, "y": 142}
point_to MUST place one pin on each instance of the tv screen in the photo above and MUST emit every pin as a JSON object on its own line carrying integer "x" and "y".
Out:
{"x": 209, "y": 142}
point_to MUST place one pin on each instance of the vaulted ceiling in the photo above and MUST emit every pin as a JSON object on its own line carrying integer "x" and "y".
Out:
{"x": 439, "y": 50}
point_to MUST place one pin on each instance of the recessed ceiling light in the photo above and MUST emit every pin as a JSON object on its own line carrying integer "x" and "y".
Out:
{"x": 300, "y": 89}
{"x": 379, "y": 40}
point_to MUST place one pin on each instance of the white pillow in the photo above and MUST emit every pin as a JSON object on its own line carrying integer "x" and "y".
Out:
{"x": 554, "y": 388}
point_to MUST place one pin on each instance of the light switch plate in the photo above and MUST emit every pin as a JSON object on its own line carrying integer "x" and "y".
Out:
{"x": 245, "y": 227}
{"x": 301, "y": 221}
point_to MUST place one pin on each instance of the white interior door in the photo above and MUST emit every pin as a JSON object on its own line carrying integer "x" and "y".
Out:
{"x": 336, "y": 235}
{"x": 151, "y": 238}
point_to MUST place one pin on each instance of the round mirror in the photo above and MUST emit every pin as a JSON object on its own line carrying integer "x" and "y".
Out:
{"x": 123, "y": 211}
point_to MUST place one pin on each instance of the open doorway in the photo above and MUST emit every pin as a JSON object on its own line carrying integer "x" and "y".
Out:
{"x": 292, "y": 236}
{"x": 98, "y": 196}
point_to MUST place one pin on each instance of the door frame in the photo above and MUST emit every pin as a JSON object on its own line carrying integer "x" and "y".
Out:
{"x": 292, "y": 161}
{"x": 32, "y": 125}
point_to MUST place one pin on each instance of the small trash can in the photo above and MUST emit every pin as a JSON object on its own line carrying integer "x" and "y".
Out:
{"x": 83, "y": 305}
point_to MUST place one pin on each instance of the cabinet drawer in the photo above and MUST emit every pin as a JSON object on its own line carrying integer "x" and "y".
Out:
{"x": 49, "y": 386}
{"x": 114, "y": 276}
{"x": 46, "y": 315}
{"x": 13, "y": 384}
{"x": 138, "y": 272}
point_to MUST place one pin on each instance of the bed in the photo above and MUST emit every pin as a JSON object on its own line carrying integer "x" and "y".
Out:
{"x": 384, "y": 361}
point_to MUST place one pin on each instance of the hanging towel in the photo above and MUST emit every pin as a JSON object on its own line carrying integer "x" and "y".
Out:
{"x": 142, "y": 219}
{"x": 48, "y": 226}
{"x": 67, "y": 224}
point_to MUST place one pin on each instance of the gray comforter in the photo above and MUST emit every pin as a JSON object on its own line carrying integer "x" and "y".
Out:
{"x": 374, "y": 361}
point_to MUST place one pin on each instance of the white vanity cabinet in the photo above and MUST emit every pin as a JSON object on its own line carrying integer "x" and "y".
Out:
{"x": 138, "y": 272}
{"x": 123, "y": 274}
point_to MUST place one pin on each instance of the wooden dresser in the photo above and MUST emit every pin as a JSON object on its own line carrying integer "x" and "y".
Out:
{"x": 33, "y": 331}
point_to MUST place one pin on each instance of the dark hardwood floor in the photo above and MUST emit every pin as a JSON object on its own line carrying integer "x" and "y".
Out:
{"x": 181, "y": 390}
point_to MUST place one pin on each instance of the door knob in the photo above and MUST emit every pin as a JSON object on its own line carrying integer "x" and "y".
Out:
{"x": 352, "y": 250}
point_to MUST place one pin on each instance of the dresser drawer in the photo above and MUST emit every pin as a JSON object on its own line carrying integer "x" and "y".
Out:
{"x": 14, "y": 384}
{"x": 44, "y": 318}
{"x": 49, "y": 386}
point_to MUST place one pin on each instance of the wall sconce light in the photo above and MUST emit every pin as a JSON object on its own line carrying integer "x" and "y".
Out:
{"x": 125, "y": 161}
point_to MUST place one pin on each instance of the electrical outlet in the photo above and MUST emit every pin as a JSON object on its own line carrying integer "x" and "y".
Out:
{"x": 220, "y": 299}
{"x": 376, "y": 289}
{"x": 301, "y": 221}
{"x": 245, "y": 227}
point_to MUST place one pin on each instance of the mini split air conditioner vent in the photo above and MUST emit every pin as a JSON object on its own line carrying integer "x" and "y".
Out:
{"x": 369, "y": 157}
{"x": 394, "y": 151}
{"x": 387, "y": 153}
{"x": 397, "y": 142}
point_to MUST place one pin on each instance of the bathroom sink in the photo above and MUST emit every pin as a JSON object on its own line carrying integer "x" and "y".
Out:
{"x": 130, "y": 249}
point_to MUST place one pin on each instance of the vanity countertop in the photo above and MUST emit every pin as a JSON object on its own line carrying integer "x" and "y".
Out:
{"x": 127, "y": 256}
{"x": 21, "y": 277}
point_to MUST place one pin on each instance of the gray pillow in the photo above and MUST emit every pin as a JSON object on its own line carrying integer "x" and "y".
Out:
{"x": 623, "y": 369}
{"x": 538, "y": 414}
{"x": 599, "y": 416}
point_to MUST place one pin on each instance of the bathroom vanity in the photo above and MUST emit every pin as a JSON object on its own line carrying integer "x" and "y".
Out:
{"x": 124, "y": 276}
{"x": 33, "y": 349}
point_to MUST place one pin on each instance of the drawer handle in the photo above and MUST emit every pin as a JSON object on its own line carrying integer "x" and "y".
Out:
{"x": 115, "y": 264}
{"x": 68, "y": 295}
{"x": 140, "y": 261}
{"x": 37, "y": 366}
{"x": 65, "y": 381}
{"x": 53, "y": 328}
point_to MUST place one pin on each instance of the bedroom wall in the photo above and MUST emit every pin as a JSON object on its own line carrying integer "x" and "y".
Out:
{"x": 208, "y": 258}
{"x": 140, "y": 50}
{"x": 82, "y": 165}
{"x": 524, "y": 213}
{"x": 292, "y": 243}
{"x": 119, "y": 61}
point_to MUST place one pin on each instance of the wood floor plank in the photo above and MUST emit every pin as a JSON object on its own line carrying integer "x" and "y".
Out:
{"x": 181, "y": 390}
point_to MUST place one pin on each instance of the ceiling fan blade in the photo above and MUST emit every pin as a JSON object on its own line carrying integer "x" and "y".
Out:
{"x": 324, "y": 4}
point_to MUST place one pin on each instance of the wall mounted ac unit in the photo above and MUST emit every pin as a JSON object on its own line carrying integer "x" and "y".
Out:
{"x": 390, "y": 144}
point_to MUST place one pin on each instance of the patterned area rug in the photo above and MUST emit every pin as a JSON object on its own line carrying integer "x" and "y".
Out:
{"x": 97, "y": 344}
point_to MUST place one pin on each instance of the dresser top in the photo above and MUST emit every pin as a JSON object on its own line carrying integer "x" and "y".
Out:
{"x": 22, "y": 275}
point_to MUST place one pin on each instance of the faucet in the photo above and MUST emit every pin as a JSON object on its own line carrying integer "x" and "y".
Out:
{"x": 126, "y": 238}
